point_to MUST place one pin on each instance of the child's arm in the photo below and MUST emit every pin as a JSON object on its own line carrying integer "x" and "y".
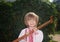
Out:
{"x": 40, "y": 36}
{"x": 20, "y": 35}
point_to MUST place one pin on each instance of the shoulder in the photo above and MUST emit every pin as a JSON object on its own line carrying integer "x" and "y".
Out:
{"x": 40, "y": 32}
{"x": 23, "y": 30}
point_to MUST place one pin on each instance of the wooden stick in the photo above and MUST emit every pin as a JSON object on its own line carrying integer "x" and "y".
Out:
{"x": 39, "y": 27}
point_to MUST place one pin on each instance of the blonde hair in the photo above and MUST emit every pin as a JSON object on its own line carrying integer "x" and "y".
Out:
{"x": 29, "y": 16}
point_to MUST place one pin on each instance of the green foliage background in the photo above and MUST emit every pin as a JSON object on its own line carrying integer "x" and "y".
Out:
{"x": 12, "y": 14}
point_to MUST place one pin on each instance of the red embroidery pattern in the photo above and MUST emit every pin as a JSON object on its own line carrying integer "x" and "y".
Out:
{"x": 30, "y": 37}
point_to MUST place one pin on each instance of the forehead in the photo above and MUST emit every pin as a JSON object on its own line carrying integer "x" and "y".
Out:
{"x": 30, "y": 16}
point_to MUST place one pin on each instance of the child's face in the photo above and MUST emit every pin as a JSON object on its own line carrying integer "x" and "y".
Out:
{"x": 31, "y": 23}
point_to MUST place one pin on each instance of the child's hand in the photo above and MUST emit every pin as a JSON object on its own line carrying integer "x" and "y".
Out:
{"x": 51, "y": 19}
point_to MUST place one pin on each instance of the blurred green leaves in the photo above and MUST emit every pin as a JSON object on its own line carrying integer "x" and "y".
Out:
{"x": 12, "y": 14}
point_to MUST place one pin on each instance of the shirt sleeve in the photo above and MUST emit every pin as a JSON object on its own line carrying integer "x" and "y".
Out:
{"x": 41, "y": 36}
{"x": 21, "y": 34}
